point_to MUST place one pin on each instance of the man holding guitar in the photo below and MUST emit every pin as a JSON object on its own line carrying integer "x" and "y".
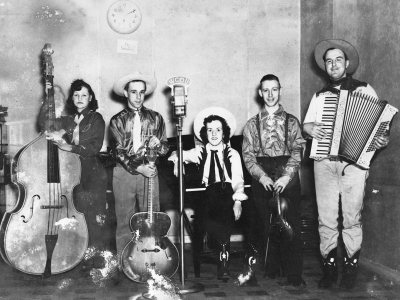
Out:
{"x": 132, "y": 129}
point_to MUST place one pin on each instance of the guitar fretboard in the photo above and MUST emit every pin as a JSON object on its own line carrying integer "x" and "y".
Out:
{"x": 150, "y": 200}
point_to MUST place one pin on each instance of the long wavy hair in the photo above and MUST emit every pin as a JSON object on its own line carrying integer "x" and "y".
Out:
{"x": 77, "y": 85}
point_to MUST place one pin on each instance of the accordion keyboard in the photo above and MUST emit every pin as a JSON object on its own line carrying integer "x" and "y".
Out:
{"x": 326, "y": 115}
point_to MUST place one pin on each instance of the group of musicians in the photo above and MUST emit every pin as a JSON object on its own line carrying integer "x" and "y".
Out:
{"x": 272, "y": 150}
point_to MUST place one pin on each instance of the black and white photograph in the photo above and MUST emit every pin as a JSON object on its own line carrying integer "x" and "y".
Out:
{"x": 212, "y": 149}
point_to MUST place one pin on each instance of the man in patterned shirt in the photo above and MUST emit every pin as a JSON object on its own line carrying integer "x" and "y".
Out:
{"x": 272, "y": 151}
{"x": 131, "y": 129}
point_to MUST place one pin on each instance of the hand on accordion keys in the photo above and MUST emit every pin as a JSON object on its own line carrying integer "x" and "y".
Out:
{"x": 315, "y": 130}
{"x": 381, "y": 141}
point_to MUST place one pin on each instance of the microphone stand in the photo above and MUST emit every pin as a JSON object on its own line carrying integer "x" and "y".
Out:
{"x": 179, "y": 87}
{"x": 186, "y": 287}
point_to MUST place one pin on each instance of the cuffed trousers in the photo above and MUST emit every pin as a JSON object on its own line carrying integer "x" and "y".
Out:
{"x": 334, "y": 178}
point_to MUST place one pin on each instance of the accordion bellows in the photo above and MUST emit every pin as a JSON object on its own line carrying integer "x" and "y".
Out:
{"x": 352, "y": 121}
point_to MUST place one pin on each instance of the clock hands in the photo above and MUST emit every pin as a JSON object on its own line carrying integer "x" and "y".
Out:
{"x": 132, "y": 11}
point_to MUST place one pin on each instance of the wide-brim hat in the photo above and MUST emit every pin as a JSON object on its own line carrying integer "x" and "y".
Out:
{"x": 346, "y": 47}
{"x": 150, "y": 81}
{"x": 217, "y": 111}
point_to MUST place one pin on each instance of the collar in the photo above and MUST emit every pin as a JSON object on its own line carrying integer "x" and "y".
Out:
{"x": 339, "y": 82}
{"x": 83, "y": 112}
{"x": 140, "y": 110}
{"x": 347, "y": 83}
{"x": 220, "y": 147}
{"x": 265, "y": 113}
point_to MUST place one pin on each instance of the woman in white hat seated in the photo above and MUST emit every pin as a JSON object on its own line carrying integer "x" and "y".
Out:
{"x": 222, "y": 175}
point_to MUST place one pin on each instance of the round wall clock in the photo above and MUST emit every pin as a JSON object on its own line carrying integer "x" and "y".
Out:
{"x": 124, "y": 16}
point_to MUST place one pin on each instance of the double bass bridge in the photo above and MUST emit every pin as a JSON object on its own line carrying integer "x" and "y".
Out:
{"x": 51, "y": 206}
{"x": 37, "y": 197}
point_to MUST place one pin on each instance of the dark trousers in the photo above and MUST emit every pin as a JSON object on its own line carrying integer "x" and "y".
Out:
{"x": 218, "y": 215}
{"x": 90, "y": 199}
{"x": 283, "y": 253}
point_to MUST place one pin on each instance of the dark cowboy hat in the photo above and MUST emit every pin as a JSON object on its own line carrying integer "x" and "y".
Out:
{"x": 150, "y": 81}
{"x": 346, "y": 47}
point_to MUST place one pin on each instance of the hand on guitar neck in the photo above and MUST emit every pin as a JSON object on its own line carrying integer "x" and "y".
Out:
{"x": 151, "y": 146}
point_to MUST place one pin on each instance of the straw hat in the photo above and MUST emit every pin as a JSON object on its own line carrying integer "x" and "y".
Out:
{"x": 150, "y": 81}
{"x": 346, "y": 47}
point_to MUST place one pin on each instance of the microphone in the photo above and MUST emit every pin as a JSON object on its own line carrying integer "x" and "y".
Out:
{"x": 179, "y": 87}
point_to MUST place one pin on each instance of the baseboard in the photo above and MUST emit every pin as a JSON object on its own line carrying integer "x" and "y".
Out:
{"x": 381, "y": 270}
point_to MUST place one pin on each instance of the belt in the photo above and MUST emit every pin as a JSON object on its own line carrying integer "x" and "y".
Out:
{"x": 336, "y": 158}
{"x": 340, "y": 159}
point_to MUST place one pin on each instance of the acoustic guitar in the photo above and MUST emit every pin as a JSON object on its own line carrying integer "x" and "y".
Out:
{"x": 150, "y": 248}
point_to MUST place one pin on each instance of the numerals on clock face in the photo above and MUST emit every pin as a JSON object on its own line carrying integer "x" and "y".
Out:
{"x": 124, "y": 16}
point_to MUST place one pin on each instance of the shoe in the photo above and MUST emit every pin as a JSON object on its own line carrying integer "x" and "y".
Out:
{"x": 223, "y": 263}
{"x": 350, "y": 270}
{"x": 116, "y": 277}
{"x": 86, "y": 265}
{"x": 329, "y": 268}
{"x": 99, "y": 262}
{"x": 248, "y": 277}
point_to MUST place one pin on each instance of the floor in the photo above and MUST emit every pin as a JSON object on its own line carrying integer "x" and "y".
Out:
{"x": 97, "y": 284}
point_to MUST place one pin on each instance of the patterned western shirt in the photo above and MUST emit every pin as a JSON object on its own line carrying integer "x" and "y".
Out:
{"x": 273, "y": 142}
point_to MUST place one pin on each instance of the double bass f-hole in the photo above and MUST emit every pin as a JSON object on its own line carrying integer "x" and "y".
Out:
{"x": 34, "y": 197}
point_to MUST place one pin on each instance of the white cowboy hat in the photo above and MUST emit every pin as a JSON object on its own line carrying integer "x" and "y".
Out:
{"x": 214, "y": 110}
{"x": 346, "y": 47}
{"x": 120, "y": 84}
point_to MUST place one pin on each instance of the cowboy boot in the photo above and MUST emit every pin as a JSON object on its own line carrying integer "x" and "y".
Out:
{"x": 251, "y": 260}
{"x": 350, "y": 270}
{"x": 329, "y": 268}
{"x": 223, "y": 263}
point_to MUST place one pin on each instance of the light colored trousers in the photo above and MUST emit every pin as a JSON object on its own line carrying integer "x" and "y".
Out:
{"x": 329, "y": 184}
{"x": 129, "y": 193}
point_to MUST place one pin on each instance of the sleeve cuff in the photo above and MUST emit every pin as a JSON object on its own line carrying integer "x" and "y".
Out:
{"x": 77, "y": 149}
{"x": 259, "y": 179}
{"x": 239, "y": 196}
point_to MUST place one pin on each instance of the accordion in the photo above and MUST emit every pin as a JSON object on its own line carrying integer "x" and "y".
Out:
{"x": 352, "y": 121}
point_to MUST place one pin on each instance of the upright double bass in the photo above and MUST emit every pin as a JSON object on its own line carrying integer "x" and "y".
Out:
{"x": 44, "y": 234}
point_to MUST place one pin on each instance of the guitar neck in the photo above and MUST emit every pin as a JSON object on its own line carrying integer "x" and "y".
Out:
{"x": 150, "y": 200}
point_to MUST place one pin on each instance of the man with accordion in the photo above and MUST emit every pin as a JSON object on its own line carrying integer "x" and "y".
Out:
{"x": 339, "y": 175}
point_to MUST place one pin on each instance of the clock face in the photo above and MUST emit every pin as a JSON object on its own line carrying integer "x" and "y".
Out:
{"x": 124, "y": 16}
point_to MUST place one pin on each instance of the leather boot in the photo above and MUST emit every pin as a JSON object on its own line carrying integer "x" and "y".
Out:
{"x": 329, "y": 269}
{"x": 249, "y": 275}
{"x": 350, "y": 270}
{"x": 223, "y": 263}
